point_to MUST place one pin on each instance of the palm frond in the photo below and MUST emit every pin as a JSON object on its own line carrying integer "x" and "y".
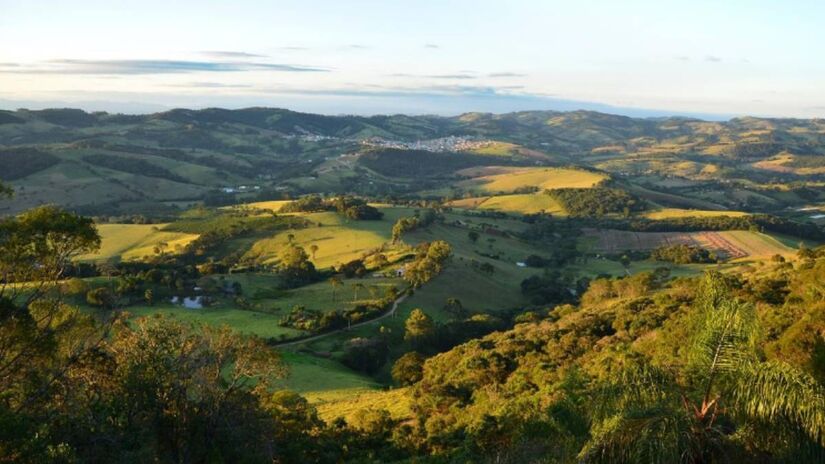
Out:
{"x": 643, "y": 436}
{"x": 773, "y": 392}
{"x": 638, "y": 384}
{"x": 727, "y": 338}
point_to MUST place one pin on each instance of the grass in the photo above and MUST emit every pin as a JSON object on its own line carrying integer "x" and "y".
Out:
{"x": 508, "y": 179}
{"x": 756, "y": 244}
{"x": 670, "y": 213}
{"x": 243, "y": 321}
{"x": 134, "y": 241}
{"x": 262, "y": 291}
{"x": 310, "y": 374}
{"x": 529, "y": 203}
{"x": 338, "y": 240}
{"x": 496, "y": 148}
{"x": 346, "y": 403}
{"x": 274, "y": 205}
{"x": 476, "y": 290}
{"x": 337, "y": 391}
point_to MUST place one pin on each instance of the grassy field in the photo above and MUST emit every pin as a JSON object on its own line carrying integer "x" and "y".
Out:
{"x": 274, "y": 205}
{"x": 670, "y": 213}
{"x": 507, "y": 179}
{"x": 527, "y": 203}
{"x": 244, "y": 321}
{"x": 475, "y": 289}
{"x": 261, "y": 290}
{"x": 496, "y": 148}
{"x": 134, "y": 241}
{"x": 310, "y": 374}
{"x": 337, "y": 391}
{"x": 757, "y": 244}
{"x": 346, "y": 403}
{"x": 338, "y": 239}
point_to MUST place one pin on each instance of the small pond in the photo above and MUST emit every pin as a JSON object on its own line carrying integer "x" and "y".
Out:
{"x": 193, "y": 302}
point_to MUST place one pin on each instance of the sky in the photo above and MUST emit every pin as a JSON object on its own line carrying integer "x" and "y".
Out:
{"x": 713, "y": 59}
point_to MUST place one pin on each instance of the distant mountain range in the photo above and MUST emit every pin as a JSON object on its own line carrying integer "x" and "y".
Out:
{"x": 95, "y": 161}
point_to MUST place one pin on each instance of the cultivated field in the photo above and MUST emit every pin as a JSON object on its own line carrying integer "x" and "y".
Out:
{"x": 730, "y": 244}
{"x": 507, "y": 179}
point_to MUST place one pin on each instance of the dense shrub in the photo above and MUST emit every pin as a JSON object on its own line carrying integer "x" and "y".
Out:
{"x": 683, "y": 254}
{"x": 597, "y": 201}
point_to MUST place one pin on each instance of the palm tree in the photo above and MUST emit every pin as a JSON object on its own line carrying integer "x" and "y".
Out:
{"x": 356, "y": 287}
{"x": 724, "y": 400}
{"x": 336, "y": 282}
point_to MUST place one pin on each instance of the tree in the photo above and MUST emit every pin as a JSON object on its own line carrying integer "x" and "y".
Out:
{"x": 473, "y": 236}
{"x": 313, "y": 249}
{"x": 408, "y": 369}
{"x": 487, "y": 268}
{"x": 335, "y": 282}
{"x": 295, "y": 266}
{"x": 418, "y": 327}
{"x": 429, "y": 262}
{"x": 160, "y": 248}
{"x": 453, "y": 306}
{"x": 149, "y": 296}
{"x": 725, "y": 394}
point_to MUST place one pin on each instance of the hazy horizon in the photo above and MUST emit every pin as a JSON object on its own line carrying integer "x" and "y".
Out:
{"x": 638, "y": 58}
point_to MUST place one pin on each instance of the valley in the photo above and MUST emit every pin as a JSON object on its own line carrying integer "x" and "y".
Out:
{"x": 405, "y": 269}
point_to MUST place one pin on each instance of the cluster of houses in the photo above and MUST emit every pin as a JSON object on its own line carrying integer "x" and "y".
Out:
{"x": 241, "y": 189}
{"x": 443, "y": 144}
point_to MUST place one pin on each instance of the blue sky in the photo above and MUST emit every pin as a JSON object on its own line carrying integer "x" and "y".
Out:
{"x": 707, "y": 58}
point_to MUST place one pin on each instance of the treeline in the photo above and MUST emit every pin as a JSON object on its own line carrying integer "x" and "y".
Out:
{"x": 315, "y": 321}
{"x": 596, "y": 201}
{"x": 411, "y": 223}
{"x": 430, "y": 259}
{"x": 756, "y": 222}
{"x": 756, "y": 149}
{"x": 133, "y": 166}
{"x": 683, "y": 254}
{"x": 16, "y": 163}
{"x": 420, "y": 163}
{"x": 210, "y": 160}
{"x": 348, "y": 206}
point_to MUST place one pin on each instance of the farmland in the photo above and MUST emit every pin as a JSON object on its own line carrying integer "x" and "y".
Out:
{"x": 731, "y": 244}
